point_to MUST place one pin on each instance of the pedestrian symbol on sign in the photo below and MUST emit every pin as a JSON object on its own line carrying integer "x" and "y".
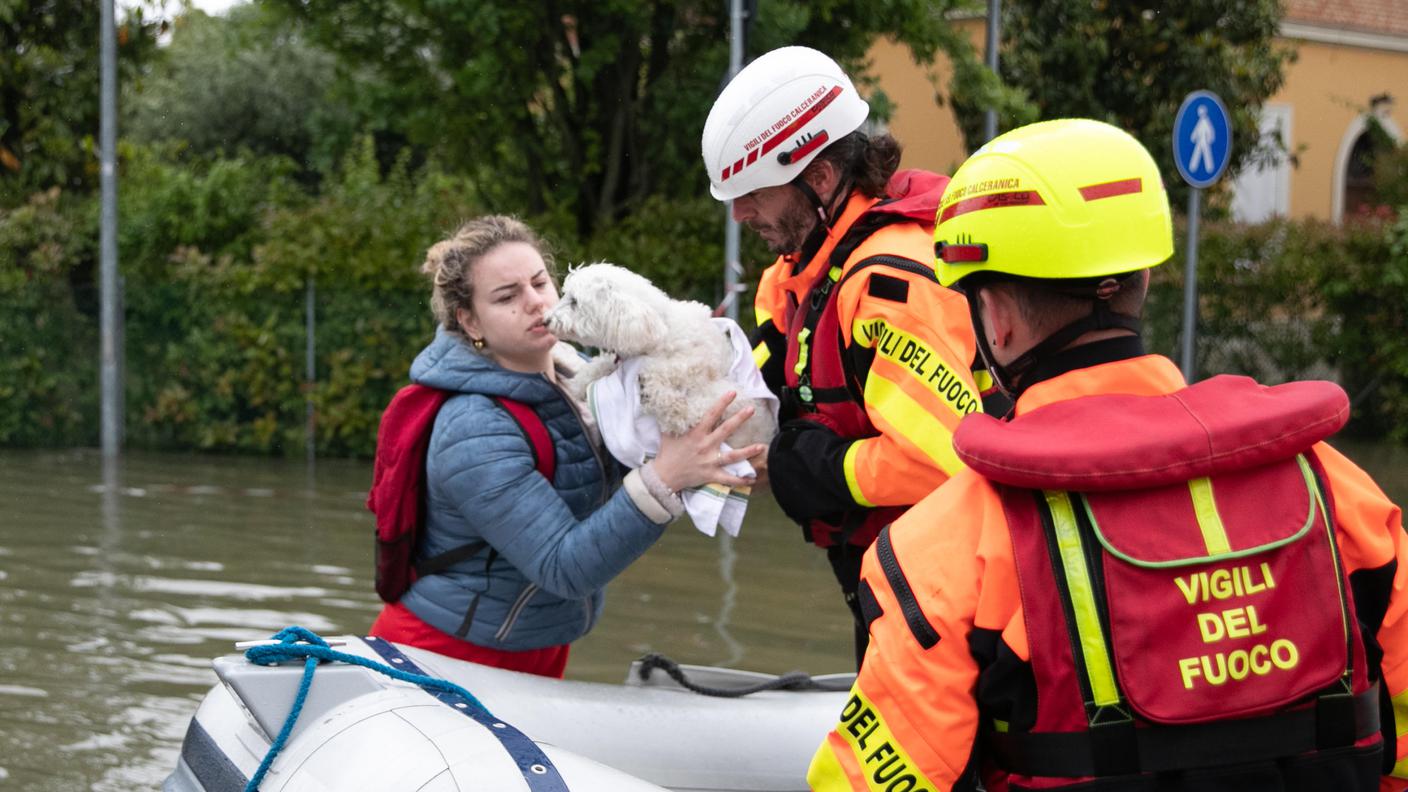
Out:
{"x": 1203, "y": 136}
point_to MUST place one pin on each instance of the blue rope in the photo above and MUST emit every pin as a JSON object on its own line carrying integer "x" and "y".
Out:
{"x": 297, "y": 642}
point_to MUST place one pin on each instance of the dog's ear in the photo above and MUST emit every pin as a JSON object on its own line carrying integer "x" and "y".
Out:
{"x": 640, "y": 328}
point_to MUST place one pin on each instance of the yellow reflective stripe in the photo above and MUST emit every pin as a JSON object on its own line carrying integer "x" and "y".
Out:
{"x": 802, "y": 351}
{"x": 881, "y": 757}
{"x": 1400, "y": 769}
{"x": 1400, "y": 714}
{"x": 1209, "y": 521}
{"x": 761, "y": 354}
{"x": 761, "y": 316}
{"x": 982, "y": 378}
{"x": 913, "y": 421}
{"x": 848, "y": 464}
{"x": 834, "y": 273}
{"x": 826, "y": 772}
{"x": 1092, "y": 638}
{"x": 925, "y": 365}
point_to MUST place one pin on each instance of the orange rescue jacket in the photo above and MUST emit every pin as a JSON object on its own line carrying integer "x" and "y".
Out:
{"x": 957, "y": 656}
{"x": 894, "y": 347}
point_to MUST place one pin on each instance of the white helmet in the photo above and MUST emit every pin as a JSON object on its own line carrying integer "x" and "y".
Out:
{"x": 774, "y": 118}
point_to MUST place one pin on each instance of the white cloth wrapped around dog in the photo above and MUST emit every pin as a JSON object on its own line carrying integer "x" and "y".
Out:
{"x": 633, "y": 437}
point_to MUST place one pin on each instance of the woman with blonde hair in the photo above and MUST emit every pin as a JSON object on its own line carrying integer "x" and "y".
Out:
{"x": 545, "y": 549}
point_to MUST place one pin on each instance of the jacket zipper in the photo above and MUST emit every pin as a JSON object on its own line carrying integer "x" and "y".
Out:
{"x": 514, "y": 611}
{"x": 606, "y": 488}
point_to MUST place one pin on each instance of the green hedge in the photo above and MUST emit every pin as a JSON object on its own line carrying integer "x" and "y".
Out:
{"x": 1290, "y": 300}
{"x": 217, "y": 254}
{"x": 48, "y": 346}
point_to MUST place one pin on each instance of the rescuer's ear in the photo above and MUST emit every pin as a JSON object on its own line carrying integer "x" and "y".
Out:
{"x": 1001, "y": 315}
{"x": 823, "y": 177}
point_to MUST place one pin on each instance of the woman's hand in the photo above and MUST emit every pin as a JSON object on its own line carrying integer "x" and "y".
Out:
{"x": 760, "y": 466}
{"x": 694, "y": 458}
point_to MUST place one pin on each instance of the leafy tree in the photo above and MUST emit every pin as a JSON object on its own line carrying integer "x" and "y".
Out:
{"x": 585, "y": 108}
{"x": 49, "y": 89}
{"x": 1389, "y": 164}
{"x": 1131, "y": 64}
{"x": 249, "y": 80}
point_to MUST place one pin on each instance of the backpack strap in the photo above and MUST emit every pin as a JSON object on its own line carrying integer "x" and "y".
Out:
{"x": 1163, "y": 748}
{"x": 544, "y": 461}
{"x": 533, "y": 428}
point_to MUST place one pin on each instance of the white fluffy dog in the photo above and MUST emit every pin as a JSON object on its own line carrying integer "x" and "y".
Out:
{"x": 685, "y": 356}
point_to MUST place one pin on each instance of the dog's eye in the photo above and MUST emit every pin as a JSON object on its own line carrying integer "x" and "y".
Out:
{"x": 569, "y": 300}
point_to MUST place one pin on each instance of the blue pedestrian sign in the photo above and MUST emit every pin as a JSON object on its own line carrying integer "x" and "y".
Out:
{"x": 1202, "y": 138}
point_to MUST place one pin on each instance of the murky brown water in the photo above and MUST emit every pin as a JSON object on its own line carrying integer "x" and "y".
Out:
{"x": 114, "y": 599}
{"x": 118, "y": 587}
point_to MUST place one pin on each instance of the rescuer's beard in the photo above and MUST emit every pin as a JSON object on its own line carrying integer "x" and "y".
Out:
{"x": 787, "y": 233}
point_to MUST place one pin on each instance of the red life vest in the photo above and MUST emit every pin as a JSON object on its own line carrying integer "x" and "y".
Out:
{"x": 397, "y": 495}
{"x": 828, "y": 388}
{"x": 1185, "y": 603}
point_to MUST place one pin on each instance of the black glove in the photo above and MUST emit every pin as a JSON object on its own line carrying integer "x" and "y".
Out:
{"x": 806, "y": 466}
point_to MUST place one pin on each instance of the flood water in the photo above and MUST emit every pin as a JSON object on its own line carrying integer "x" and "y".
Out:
{"x": 118, "y": 585}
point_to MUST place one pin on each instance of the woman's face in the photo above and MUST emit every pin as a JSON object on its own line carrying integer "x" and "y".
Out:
{"x": 512, "y": 293}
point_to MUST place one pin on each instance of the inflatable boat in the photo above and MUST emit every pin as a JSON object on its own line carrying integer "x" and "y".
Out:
{"x": 367, "y": 722}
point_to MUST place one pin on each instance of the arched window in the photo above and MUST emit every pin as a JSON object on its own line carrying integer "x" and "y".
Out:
{"x": 1359, "y": 195}
{"x": 1353, "y": 178}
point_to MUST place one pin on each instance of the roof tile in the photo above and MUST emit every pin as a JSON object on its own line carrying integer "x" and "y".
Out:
{"x": 1388, "y": 17}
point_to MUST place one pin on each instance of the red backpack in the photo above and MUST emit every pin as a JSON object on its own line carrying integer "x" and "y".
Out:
{"x": 397, "y": 496}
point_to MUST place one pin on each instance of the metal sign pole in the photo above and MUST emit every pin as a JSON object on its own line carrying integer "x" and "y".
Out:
{"x": 1202, "y": 147}
{"x": 1190, "y": 285}
{"x": 110, "y": 373}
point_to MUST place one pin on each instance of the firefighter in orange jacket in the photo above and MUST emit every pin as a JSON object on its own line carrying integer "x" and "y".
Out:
{"x": 1135, "y": 583}
{"x": 872, "y": 358}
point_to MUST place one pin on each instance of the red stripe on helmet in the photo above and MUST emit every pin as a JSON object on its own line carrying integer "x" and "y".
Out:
{"x": 801, "y": 120}
{"x": 991, "y": 201}
{"x": 1110, "y": 189}
{"x": 792, "y": 128}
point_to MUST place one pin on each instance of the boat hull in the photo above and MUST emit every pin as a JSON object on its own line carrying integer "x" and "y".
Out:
{"x": 362, "y": 730}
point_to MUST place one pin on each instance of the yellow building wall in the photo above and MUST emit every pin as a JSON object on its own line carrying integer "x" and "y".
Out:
{"x": 927, "y": 130}
{"x": 1327, "y": 88}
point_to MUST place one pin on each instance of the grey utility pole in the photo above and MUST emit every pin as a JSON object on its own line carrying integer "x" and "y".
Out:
{"x": 111, "y": 331}
{"x": 994, "y": 36}
{"x": 733, "y": 268}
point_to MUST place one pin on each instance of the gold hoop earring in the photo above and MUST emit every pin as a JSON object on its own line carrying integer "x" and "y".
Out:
{"x": 478, "y": 343}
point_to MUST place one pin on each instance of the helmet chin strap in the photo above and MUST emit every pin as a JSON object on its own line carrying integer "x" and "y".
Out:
{"x": 1008, "y": 378}
{"x": 825, "y": 219}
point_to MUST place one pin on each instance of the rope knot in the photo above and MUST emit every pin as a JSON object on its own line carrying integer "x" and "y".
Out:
{"x": 293, "y": 642}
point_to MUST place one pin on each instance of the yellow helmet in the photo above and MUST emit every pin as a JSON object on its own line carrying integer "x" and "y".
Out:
{"x": 1068, "y": 199}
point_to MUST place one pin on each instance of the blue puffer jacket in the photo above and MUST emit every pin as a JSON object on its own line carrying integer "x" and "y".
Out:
{"x": 558, "y": 545}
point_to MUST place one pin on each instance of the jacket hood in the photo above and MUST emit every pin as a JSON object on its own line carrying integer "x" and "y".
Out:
{"x": 450, "y": 363}
{"x": 914, "y": 194}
